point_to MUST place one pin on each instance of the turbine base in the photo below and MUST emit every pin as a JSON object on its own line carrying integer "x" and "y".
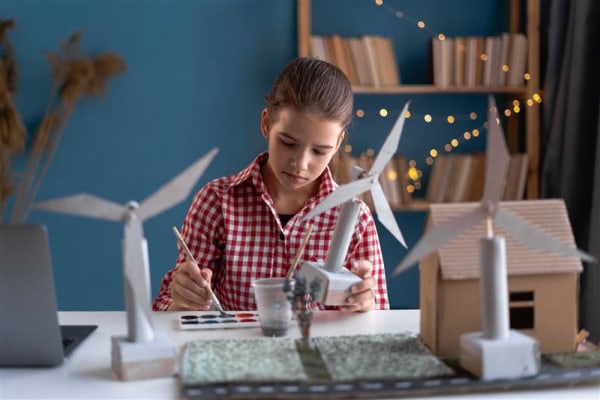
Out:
{"x": 143, "y": 360}
{"x": 489, "y": 359}
{"x": 335, "y": 286}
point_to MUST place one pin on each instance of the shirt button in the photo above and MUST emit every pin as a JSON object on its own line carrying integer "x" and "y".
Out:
{"x": 281, "y": 236}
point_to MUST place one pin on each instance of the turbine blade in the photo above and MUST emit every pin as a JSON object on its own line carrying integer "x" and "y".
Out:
{"x": 340, "y": 195}
{"x": 176, "y": 190}
{"x": 496, "y": 155}
{"x": 83, "y": 205}
{"x": 385, "y": 214}
{"x": 535, "y": 238}
{"x": 439, "y": 235}
{"x": 390, "y": 146}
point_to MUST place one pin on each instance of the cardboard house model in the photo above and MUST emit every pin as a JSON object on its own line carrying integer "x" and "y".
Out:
{"x": 543, "y": 287}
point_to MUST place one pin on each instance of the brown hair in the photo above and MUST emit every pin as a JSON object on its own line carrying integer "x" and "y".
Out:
{"x": 313, "y": 86}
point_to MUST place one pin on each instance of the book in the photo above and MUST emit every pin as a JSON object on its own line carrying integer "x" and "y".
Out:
{"x": 516, "y": 177}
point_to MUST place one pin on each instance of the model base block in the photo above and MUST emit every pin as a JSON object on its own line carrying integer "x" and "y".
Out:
{"x": 514, "y": 357}
{"x": 134, "y": 361}
{"x": 335, "y": 286}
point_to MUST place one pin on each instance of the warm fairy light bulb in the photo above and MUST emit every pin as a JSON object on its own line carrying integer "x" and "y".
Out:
{"x": 407, "y": 114}
{"x": 429, "y": 161}
{"x": 433, "y": 153}
{"x": 441, "y": 36}
{"x": 483, "y": 57}
{"x": 412, "y": 163}
{"x": 410, "y": 188}
{"x": 450, "y": 119}
{"x": 505, "y": 68}
{"x": 529, "y": 102}
{"x": 348, "y": 148}
{"x": 473, "y": 116}
{"x": 417, "y": 185}
{"x": 413, "y": 174}
{"x": 421, "y": 24}
{"x": 475, "y": 132}
{"x": 516, "y": 102}
{"x": 537, "y": 98}
{"x": 360, "y": 113}
{"x": 507, "y": 112}
{"x": 467, "y": 135}
{"x": 383, "y": 112}
{"x": 392, "y": 175}
{"x": 454, "y": 143}
{"x": 427, "y": 118}
{"x": 448, "y": 147}
{"x": 527, "y": 76}
{"x": 379, "y": 2}
{"x": 516, "y": 109}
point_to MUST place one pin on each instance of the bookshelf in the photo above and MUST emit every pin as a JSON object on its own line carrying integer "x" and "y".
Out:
{"x": 531, "y": 129}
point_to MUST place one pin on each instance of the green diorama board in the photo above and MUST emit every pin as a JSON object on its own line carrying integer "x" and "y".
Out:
{"x": 360, "y": 366}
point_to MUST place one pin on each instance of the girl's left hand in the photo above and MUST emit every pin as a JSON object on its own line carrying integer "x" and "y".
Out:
{"x": 362, "y": 297}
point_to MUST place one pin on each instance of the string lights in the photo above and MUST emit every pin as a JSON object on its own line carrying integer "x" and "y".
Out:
{"x": 414, "y": 173}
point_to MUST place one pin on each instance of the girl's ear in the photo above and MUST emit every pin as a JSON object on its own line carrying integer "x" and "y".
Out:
{"x": 264, "y": 123}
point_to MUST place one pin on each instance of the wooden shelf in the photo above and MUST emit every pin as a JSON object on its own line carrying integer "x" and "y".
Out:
{"x": 531, "y": 133}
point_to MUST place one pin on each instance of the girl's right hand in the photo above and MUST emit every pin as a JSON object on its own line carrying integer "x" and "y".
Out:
{"x": 190, "y": 288}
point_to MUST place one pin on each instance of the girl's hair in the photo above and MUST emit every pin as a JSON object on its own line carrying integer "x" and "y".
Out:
{"x": 313, "y": 86}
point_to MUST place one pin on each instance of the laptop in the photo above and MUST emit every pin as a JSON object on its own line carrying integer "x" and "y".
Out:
{"x": 30, "y": 335}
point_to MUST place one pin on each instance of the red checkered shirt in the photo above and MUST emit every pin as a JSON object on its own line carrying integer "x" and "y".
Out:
{"x": 232, "y": 227}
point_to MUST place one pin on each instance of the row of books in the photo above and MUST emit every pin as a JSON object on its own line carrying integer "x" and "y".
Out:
{"x": 480, "y": 60}
{"x": 461, "y": 178}
{"x": 453, "y": 178}
{"x": 368, "y": 60}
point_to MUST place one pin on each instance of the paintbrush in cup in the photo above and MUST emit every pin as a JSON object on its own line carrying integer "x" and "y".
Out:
{"x": 190, "y": 257}
{"x": 300, "y": 251}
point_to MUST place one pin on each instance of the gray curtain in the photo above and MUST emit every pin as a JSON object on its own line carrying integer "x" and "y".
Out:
{"x": 570, "y": 145}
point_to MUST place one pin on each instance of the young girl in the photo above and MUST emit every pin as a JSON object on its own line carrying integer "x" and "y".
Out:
{"x": 249, "y": 225}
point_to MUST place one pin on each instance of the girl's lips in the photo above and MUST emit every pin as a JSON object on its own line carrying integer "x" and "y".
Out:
{"x": 294, "y": 177}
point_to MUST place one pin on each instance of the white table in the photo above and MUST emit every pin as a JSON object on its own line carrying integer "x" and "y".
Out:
{"x": 87, "y": 374}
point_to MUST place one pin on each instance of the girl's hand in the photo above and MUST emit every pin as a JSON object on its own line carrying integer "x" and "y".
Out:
{"x": 362, "y": 297}
{"x": 189, "y": 288}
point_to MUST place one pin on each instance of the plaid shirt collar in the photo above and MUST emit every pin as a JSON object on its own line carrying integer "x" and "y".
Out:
{"x": 253, "y": 175}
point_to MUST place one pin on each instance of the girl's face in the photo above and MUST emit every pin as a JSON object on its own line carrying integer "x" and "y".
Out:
{"x": 300, "y": 147}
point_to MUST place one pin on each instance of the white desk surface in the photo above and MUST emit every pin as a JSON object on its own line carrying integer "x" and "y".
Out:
{"x": 87, "y": 374}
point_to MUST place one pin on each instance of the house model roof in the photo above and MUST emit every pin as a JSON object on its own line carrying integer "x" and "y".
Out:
{"x": 459, "y": 258}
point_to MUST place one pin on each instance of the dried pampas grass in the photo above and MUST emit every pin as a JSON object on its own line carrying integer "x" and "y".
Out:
{"x": 75, "y": 76}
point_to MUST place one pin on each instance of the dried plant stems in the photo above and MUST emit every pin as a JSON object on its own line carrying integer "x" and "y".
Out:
{"x": 74, "y": 77}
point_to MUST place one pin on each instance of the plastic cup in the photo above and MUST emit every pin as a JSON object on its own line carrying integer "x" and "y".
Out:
{"x": 274, "y": 309}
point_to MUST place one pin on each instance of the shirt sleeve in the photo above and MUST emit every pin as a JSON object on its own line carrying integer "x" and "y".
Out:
{"x": 201, "y": 230}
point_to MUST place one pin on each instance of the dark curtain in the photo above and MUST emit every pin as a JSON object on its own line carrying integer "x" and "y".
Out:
{"x": 570, "y": 145}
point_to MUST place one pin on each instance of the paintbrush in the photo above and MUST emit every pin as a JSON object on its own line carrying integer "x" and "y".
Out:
{"x": 290, "y": 273}
{"x": 190, "y": 257}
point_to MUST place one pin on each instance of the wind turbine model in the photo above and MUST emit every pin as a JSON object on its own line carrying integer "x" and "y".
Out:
{"x": 496, "y": 352}
{"x": 141, "y": 354}
{"x": 336, "y": 280}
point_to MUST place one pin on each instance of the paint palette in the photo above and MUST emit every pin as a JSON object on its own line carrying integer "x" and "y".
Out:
{"x": 214, "y": 320}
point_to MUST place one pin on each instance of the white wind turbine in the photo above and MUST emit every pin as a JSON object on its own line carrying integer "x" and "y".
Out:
{"x": 336, "y": 280}
{"x": 496, "y": 340}
{"x": 134, "y": 245}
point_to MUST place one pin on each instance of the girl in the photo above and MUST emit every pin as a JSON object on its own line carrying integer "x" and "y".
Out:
{"x": 249, "y": 225}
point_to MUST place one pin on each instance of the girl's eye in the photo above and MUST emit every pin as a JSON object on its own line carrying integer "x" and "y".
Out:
{"x": 319, "y": 152}
{"x": 287, "y": 144}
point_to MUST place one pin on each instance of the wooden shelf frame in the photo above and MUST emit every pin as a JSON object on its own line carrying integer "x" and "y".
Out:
{"x": 532, "y": 86}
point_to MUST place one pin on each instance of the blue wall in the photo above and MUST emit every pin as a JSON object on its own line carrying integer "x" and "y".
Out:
{"x": 197, "y": 74}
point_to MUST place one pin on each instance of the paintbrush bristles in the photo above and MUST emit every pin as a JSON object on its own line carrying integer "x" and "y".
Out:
{"x": 300, "y": 251}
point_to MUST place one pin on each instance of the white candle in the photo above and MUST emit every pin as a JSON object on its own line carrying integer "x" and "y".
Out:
{"x": 494, "y": 288}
